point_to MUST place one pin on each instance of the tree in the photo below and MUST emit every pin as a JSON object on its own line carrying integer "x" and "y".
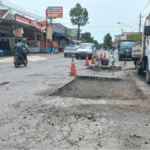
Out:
{"x": 88, "y": 38}
{"x": 79, "y": 16}
{"x": 107, "y": 41}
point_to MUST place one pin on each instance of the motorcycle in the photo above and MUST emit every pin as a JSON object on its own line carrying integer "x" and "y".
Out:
{"x": 20, "y": 60}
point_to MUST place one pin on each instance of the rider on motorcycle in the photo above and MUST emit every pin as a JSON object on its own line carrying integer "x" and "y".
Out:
{"x": 21, "y": 49}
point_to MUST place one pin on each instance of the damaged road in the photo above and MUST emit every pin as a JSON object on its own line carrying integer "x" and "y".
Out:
{"x": 85, "y": 114}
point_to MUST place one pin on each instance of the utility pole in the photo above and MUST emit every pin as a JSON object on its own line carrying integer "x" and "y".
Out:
{"x": 140, "y": 22}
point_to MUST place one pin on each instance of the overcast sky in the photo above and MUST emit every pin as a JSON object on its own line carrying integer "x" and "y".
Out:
{"x": 103, "y": 14}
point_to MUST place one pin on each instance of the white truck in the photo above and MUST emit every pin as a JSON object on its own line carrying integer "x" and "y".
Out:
{"x": 141, "y": 51}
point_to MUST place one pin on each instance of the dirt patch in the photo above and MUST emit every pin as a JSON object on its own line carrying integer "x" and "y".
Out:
{"x": 107, "y": 89}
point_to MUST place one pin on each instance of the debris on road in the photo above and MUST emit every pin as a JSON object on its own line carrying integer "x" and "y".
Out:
{"x": 99, "y": 68}
{"x": 105, "y": 62}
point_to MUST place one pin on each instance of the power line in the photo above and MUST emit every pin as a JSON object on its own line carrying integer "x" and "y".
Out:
{"x": 138, "y": 16}
{"x": 146, "y": 6}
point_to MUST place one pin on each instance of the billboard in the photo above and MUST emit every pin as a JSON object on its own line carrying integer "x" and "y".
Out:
{"x": 50, "y": 33}
{"x": 54, "y": 12}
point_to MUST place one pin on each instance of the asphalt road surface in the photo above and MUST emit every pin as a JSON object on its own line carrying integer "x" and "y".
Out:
{"x": 32, "y": 117}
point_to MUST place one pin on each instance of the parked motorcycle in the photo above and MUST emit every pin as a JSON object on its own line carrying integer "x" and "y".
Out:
{"x": 20, "y": 60}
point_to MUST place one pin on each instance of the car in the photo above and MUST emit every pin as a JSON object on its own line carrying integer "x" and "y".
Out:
{"x": 86, "y": 49}
{"x": 70, "y": 50}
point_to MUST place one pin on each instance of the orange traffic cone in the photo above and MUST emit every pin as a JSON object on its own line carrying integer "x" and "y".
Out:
{"x": 87, "y": 61}
{"x": 73, "y": 71}
{"x": 93, "y": 60}
{"x": 101, "y": 57}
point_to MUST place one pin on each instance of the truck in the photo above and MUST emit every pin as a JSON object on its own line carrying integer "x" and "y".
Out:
{"x": 125, "y": 50}
{"x": 141, "y": 52}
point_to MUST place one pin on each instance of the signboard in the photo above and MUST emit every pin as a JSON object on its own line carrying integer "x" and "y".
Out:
{"x": 18, "y": 32}
{"x": 54, "y": 12}
{"x": 22, "y": 19}
{"x": 50, "y": 33}
{"x": 33, "y": 23}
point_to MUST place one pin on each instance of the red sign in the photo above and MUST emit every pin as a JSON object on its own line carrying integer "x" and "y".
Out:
{"x": 33, "y": 23}
{"x": 54, "y": 12}
{"x": 22, "y": 19}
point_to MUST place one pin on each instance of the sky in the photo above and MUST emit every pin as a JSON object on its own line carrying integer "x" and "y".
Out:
{"x": 103, "y": 14}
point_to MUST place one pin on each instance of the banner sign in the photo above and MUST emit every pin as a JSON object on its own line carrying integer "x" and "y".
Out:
{"x": 50, "y": 33}
{"x": 54, "y": 12}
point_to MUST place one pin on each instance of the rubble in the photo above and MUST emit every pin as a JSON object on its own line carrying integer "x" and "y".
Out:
{"x": 99, "y": 68}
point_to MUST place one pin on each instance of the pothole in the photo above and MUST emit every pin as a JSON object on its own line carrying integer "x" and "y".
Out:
{"x": 89, "y": 87}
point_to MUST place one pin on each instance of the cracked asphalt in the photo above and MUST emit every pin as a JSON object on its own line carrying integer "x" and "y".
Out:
{"x": 31, "y": 119}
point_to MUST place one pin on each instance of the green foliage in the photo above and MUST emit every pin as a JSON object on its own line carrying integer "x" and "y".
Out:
{"x": 79, "y": 15}
{"x": 89, "y": 39}
{"x": 107, "y": 41}
{"x": 134, "y": 37}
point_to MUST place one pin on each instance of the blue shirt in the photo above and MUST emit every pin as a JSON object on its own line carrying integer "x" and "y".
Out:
{"x": 20, "y": 48}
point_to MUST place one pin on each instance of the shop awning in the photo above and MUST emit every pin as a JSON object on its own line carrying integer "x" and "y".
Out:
{"x": 13, "y": 22}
